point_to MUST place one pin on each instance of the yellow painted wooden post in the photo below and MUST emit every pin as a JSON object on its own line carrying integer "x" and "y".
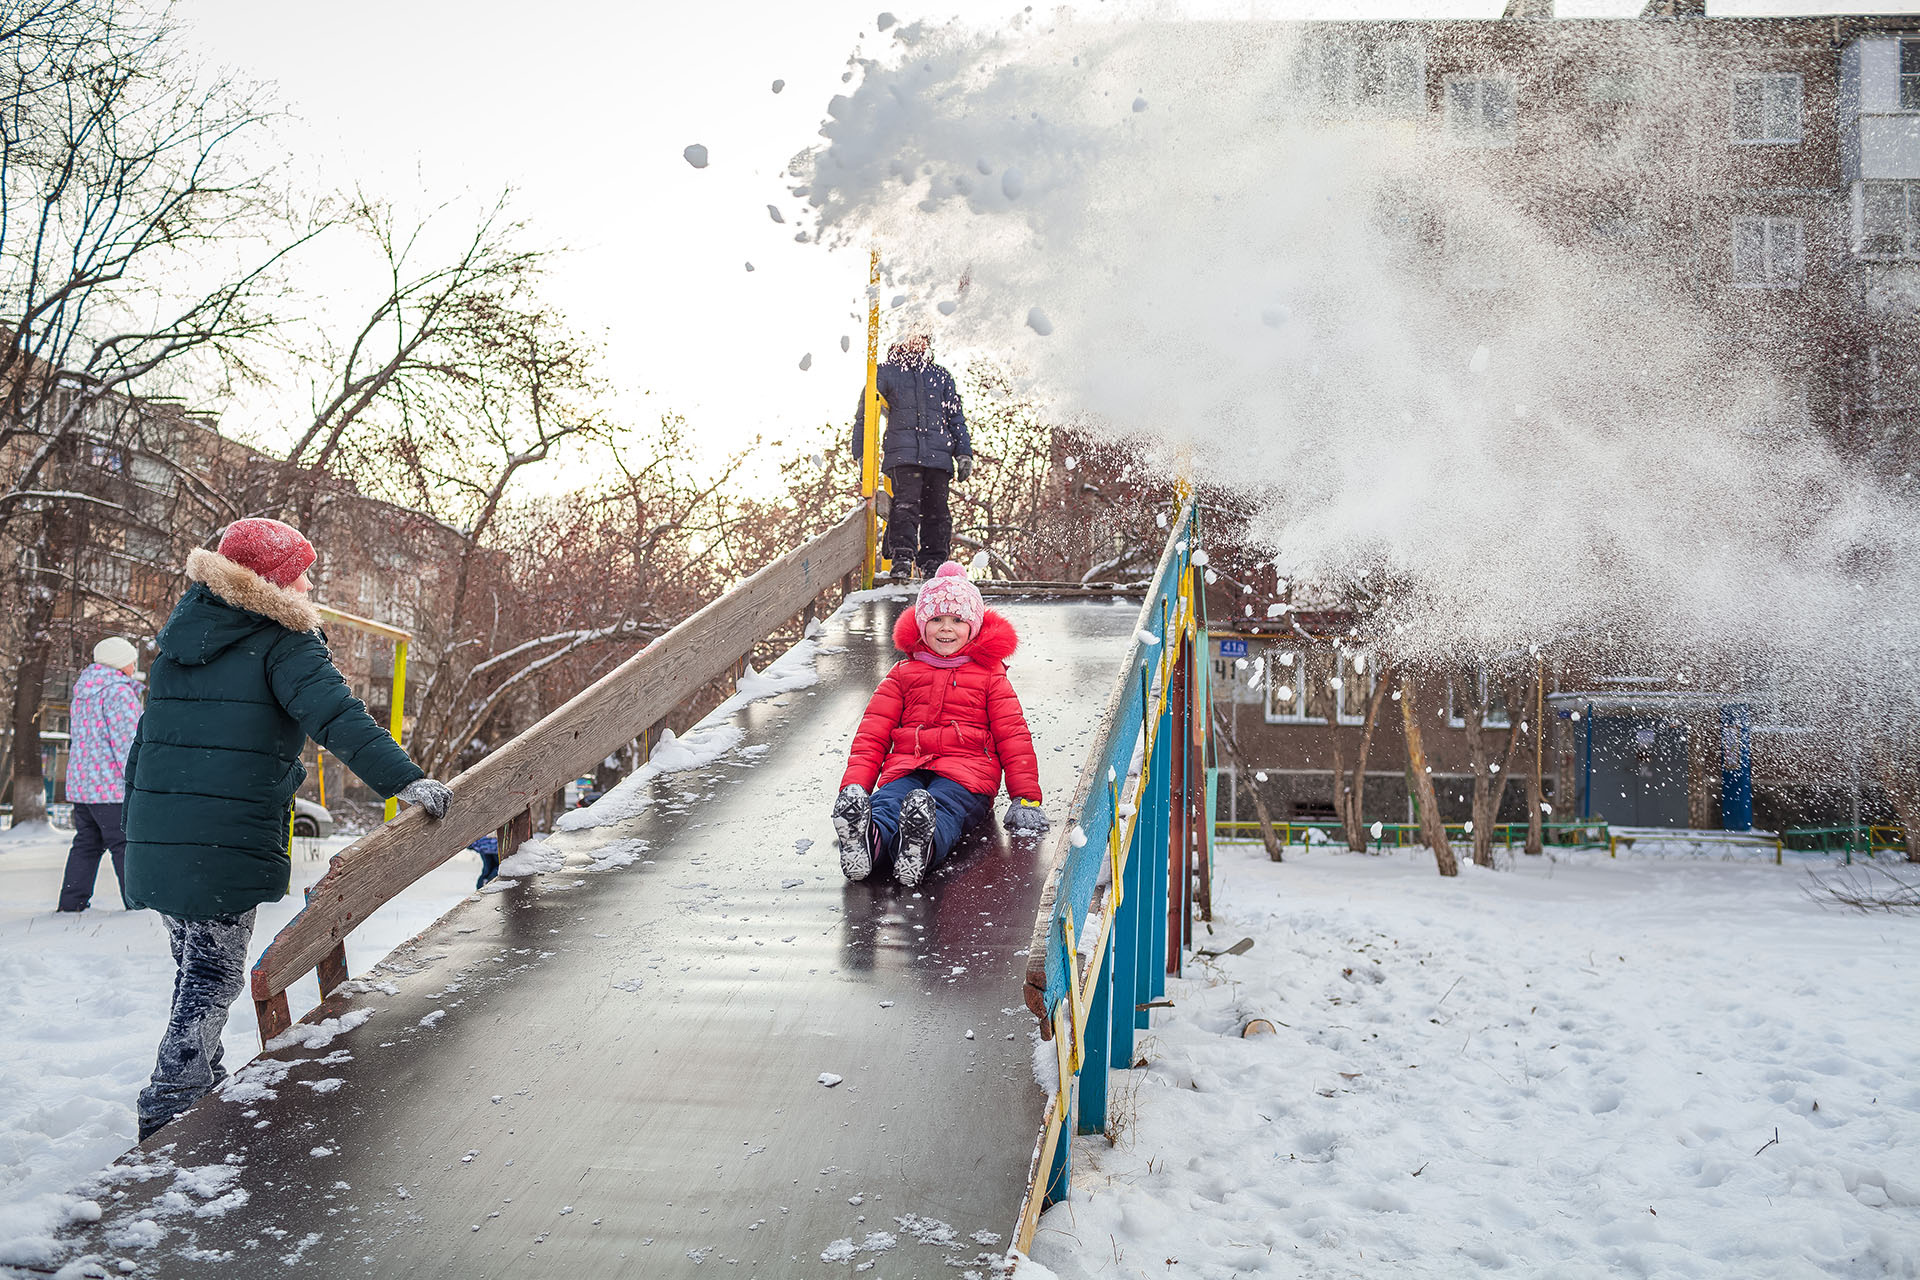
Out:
{"x": 870, "y": 443}
{"x": 320, "y": 758}
{"x": 396, "y": 716}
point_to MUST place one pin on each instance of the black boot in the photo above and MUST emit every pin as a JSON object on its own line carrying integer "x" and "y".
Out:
{"x": 914, "y": 848}
{"x": 851, "y": 815}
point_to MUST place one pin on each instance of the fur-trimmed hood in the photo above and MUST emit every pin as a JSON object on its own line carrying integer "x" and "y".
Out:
{"x": 229, "y": 603}
{"x": 995, "y": 641}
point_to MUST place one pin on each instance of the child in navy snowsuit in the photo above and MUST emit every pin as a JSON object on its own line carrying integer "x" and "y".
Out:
{"x": 936, "y": 736}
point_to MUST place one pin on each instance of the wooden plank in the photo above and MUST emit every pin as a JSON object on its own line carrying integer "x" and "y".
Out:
{"x": 613, "y": 710}
{"x": 272, "y": 1014}
{"x": 333, "y": 969}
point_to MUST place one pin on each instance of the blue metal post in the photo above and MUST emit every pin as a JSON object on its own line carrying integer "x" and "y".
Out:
{"x": 1736, "y": 768}
{"x": 1060, "y": 1175}
{"x": 1097, "y": 1047}
{"x": 1125, "y": 951}
{"x": 1586, "y": 779}
{"x": 1163, "y": 791}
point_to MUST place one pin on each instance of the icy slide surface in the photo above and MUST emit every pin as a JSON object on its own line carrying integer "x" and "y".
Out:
{"x": 618, "y": 1071}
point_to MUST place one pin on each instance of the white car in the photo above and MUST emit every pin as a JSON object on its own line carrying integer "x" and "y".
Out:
{"x": 310, "y": 820}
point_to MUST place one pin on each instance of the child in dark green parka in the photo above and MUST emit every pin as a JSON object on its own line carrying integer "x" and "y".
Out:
{"x": 242, "y": 679}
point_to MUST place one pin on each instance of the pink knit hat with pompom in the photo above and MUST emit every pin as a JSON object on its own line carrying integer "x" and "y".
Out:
{"x": 949, "y": 592}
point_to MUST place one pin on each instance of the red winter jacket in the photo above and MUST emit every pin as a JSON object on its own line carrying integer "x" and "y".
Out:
{"x": 963, "y": 723}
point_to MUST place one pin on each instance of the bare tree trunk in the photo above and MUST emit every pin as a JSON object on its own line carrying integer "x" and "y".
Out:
{"x": 1431, "y": 828}
{"x": 1535, "y": 796}
{"x": 1902, "y": 782}
{"x": 1489, "y": 775}
{"x": 1274, "y": 848}
{"x": 29, "y": 793}
{"x": 1357, "y": 788}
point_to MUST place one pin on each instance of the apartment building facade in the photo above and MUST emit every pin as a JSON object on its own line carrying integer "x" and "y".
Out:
{"x": 159, "y": 482}
{"x": 1765, "y": 169}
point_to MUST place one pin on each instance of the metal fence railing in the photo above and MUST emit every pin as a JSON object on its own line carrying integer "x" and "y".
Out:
{"x": 1402, "y": 835}
{"x": 1127, "y": 868}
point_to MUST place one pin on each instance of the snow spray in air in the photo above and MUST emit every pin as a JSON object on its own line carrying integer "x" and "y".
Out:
{"x": 1360, "y": 332}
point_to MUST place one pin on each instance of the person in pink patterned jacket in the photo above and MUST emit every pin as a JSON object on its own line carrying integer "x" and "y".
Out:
{"x": 103, "y": 714}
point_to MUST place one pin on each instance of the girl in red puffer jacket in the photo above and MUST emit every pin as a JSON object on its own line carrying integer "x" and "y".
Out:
{"x": 936, "y": 736}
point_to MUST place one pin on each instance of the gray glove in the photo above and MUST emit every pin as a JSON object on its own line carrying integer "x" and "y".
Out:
{"x": 432, "y": 796}
{"x": 1025, "y": 815}
{"x": 963, "y": 467}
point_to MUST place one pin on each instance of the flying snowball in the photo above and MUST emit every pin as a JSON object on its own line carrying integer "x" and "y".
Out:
{"x": 696, "y": 156}
{"x": 1038, "y": 322}
{"x": 806, "y": 362}
{"x": 846, "y": 343}
{"x": 778, "y": 85}
{"x": 749, "y": 266}
{"x": 1139, "y": 104}
{"x": 773, "y": 211}
{"x": 884, "y": 21}
{"x": 1376, "y": 829}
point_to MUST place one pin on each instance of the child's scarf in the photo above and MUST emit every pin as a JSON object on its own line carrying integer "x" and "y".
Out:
{"x": 933, "y": 659}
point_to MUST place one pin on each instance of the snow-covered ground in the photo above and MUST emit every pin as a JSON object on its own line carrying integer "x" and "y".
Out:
{"x": 1647, "y": 1067}
{"x": 86, "y": 1000}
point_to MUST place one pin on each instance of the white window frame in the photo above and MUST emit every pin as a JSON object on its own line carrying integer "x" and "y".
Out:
{"x": 1478, "y": 136}
{"x": 1360, "y": 683}
{"x": 1380, "y": 59}
{"x": 1501, "y": 718}
{"x": 1907, "y": 83}
{"x": 1909, "y": 218}
{"x": 1771, "y": 228}
{"x": 1767, "y": 81}
{"x": 1295, "y": 680}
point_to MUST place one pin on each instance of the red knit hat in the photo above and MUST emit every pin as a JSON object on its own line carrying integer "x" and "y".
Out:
{"x": 273, "y": 550}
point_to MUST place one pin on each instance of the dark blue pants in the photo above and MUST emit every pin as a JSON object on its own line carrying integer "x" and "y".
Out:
{"x": 954, "y": 809}
{"x": 210, "y": 970}
{"x": 96, "y": 830}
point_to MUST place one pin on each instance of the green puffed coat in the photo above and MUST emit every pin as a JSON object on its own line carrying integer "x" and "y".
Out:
{"x": 243, "y": 678}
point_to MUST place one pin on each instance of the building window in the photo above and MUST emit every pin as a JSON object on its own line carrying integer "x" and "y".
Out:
{"x": 1766, "y": 108}
{"x": 1890, "y": 218}
{"x": 1910, "y": 75}
{"x": 1769, "y": 253}
{"x": 1389, "y": 78}
{"x": 1290, "y": 694}
{"x": 1356, "y": 678}
{"x": 1470, "y": 689}
{"x": 1480, "y": 110}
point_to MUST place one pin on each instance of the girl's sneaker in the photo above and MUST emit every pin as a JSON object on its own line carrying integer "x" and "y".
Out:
{"x": 915, "y": 846}
{"x": 851, "y": 814}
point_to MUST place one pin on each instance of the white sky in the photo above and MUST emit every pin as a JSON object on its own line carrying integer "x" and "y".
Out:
{"x": 585, "y": 109}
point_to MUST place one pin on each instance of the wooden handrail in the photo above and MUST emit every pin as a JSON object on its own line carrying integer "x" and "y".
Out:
{"x": 502, "y": 788}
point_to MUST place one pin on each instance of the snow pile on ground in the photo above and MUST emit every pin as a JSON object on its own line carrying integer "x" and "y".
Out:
{"x": 87, "y": 998}
{"x": 706, "y": 742}
{"x": 1574, "y": 1068}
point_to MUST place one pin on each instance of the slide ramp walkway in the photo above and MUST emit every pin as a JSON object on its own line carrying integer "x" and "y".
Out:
{"x": 616, "y": 1072}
